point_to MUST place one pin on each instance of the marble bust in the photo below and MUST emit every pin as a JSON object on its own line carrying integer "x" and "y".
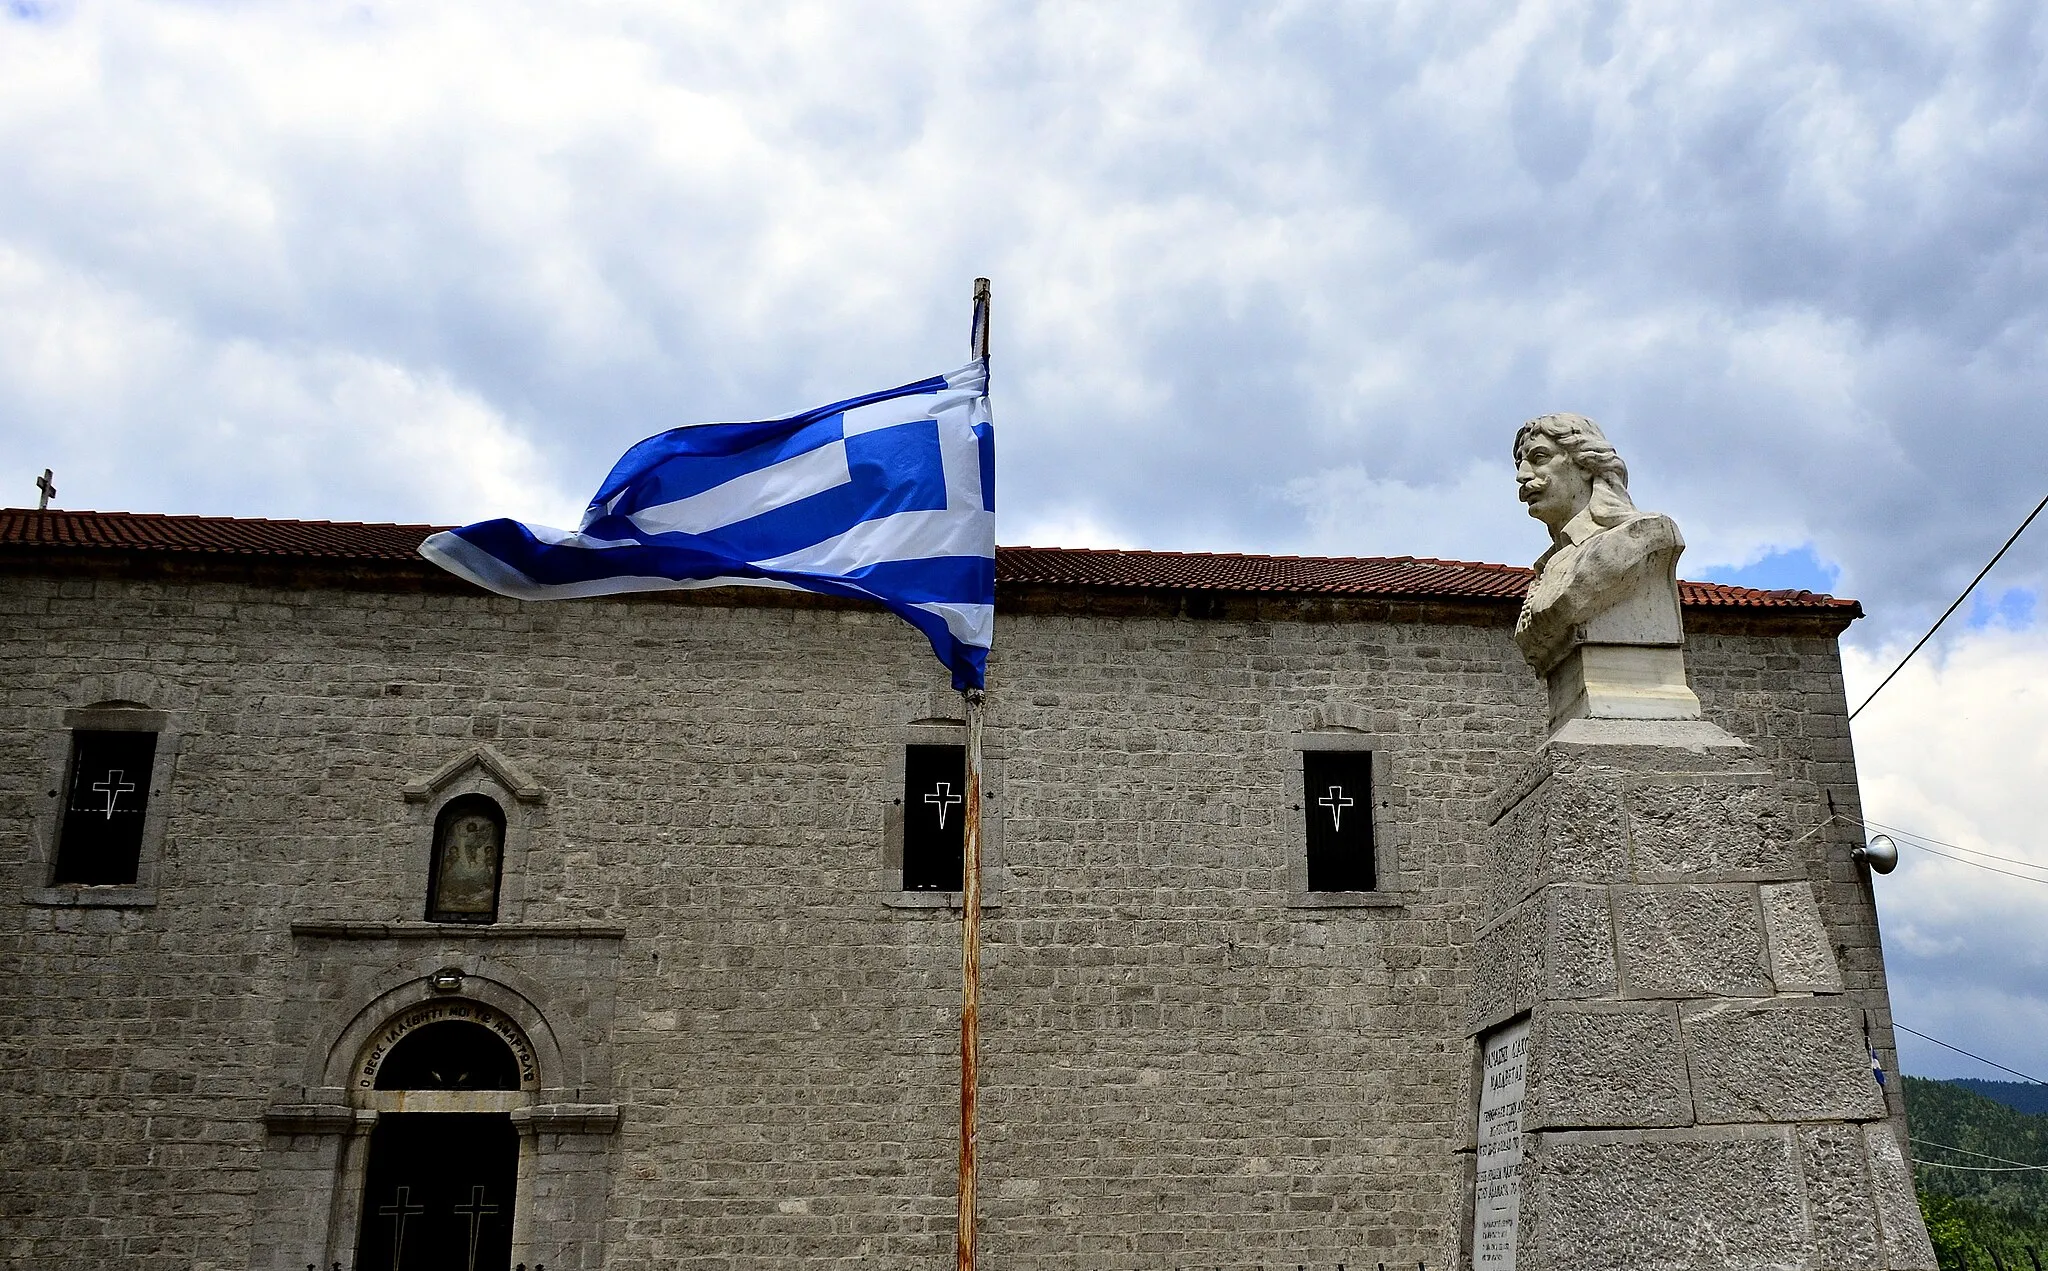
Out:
{"x": 1601, "y": 618}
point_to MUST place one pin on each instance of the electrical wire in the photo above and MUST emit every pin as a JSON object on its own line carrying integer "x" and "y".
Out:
{"x": 1982, "y": 1156}
{"x": 1977, "y": 864}
{"x": 1960, "y": 1051}
{"x": 1982, "y": 1169}
{"x": 2010, "y": 860}
{"x": 1952, "y": 608}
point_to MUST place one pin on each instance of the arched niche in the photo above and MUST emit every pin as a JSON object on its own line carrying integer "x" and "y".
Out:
{"x": 479, "y": 782}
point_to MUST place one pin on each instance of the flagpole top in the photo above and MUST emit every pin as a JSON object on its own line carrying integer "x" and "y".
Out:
{"x": 980, "y": 337}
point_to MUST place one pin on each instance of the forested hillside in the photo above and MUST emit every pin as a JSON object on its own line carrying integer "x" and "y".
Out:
{"x": 1983, "y": 1212}
{"x": 2025, "y": 1096}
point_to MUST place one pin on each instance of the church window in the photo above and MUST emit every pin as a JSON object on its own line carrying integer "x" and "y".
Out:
{"x": 105, "y": 807}
{"x": 1338, "y": 815}
{"x": 934, "y": 797}
{"x": 468, "y": 861}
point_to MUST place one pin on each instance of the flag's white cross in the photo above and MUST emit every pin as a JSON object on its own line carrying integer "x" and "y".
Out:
{"x": 113, "y": 787}
{"x": 476, "y": 1211}
{"x": 942, "y": 795}
{"x": 1336, "y": 802}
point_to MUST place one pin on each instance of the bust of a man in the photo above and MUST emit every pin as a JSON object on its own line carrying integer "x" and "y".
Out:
{"x": 1610, "y": 576}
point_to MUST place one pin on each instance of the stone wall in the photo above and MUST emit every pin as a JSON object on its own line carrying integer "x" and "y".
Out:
{"x": 1181, "y": 1069}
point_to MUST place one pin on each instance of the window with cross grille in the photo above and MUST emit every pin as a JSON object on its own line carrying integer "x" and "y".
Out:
{"x": 1338, "y": 786}
{"x": 106, "y": 803}
{"x": 934, "y": 792}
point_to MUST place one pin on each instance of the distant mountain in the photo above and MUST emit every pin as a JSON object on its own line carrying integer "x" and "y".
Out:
{"x": 1981, "y": 1212}
{"x": 2021, "y": 1096}
{"x": 1972, "y": 1130}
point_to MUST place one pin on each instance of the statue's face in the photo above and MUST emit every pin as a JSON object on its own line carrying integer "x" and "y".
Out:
{"x": 1554, "y": 486}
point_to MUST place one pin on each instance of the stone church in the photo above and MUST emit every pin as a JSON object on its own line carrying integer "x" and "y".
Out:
{"x": 368, "y": 919}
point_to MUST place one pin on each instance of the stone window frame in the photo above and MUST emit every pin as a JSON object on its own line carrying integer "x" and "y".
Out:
{"x": 1340, "y": 728}
{"x": 479, "y": 770}
{"x": 59, "y": 751}
{"x": 938, "y": 729}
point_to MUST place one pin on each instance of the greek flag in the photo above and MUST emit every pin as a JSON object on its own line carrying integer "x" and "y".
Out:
{"x": 888, "y": 497}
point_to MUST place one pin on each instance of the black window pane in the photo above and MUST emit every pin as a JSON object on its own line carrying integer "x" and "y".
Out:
{"x": 452, "y": 1054}
{"x": 934, "y": 794}
{"x": 1340, "y": 848}
{"x": 101, "y": 839}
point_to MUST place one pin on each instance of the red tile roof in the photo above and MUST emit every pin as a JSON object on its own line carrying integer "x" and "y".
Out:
{"x": 342, "y": 542}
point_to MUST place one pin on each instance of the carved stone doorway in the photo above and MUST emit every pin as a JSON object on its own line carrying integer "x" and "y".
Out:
{"x": 439, "y": 1192}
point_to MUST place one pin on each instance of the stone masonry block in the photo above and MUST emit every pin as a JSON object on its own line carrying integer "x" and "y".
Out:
{"x": 1507, "y": 968}
{"x": 1606, "y": 1065}
{"x": 1708, "y": 827}
{"x": 1579, "y": 957}
{"x": 1838, "y": 1198}
{"x": 1682, "y": 940}
{"x": 1786, "y": 1059}
{"x": 1567, "y": 828}
{"x": 1670, "y": 1199}
{"x": 1906, "y": 1247}
{"x": 1801, "y": 961}
{"x": 1557, "y": 944}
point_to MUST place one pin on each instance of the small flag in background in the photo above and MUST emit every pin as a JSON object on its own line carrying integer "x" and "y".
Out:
{"x": 889, "y": 497}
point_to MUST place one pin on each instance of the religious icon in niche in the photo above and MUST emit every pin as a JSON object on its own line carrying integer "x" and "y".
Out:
{"x": 469, "y": 858}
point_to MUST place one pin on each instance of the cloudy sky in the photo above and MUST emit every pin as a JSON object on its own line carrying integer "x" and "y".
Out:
{"x": 1275, "y": 278}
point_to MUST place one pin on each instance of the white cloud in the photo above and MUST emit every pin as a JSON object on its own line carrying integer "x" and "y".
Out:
{"x": 1268, "y": 277}
{"x": 1954, "y": 750}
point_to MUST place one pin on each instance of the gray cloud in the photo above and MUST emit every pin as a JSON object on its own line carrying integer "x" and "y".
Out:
{"x": 1276, "y": 277}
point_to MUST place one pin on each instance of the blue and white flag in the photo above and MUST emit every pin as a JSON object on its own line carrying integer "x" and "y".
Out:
{"x": 889, "y": 497}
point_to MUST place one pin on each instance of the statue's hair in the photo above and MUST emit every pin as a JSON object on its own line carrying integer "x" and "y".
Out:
{"x": 1583, "y": 442}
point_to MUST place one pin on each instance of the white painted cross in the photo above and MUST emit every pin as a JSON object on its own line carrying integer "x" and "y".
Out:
{"x": 476, "y": 1211}
{"x": 398, "y": 1211}
{"x": 46, "y": 490}
{"x": 942, "y": 795}
{"x": 1336, "y": 802}
{"x": 113, "y": 787}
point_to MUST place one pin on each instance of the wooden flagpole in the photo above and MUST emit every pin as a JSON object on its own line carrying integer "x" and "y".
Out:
{"x": 970, "y": 903}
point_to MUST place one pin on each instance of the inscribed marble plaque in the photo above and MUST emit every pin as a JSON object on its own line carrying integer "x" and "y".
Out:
{"x": 1497, "y": 1198}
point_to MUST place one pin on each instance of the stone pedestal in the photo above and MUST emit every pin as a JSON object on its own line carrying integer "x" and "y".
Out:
{"x": 1696, "y": 1089}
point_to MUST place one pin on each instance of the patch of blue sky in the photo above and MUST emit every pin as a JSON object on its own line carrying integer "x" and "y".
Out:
{"x": 2013, "y": 608}
{"x": 1799, "y": 568}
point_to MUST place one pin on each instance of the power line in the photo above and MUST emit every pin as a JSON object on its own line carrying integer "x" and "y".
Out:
{"x": 1952, "y": 608}
{"x": 1960, "y": 1051}
{"x": 1982, "y": 1169}
{"x": 1982, "y": 1156}
{"x": 1977, "y": 864}
{"x": 2010, "y": 860}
